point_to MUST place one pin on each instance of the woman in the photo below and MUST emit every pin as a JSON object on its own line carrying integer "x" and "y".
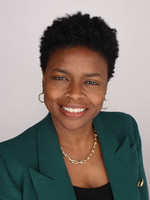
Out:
{"x": 77, "y": 151}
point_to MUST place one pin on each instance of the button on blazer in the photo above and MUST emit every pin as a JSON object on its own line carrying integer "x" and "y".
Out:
{"x": 32, "y": 165}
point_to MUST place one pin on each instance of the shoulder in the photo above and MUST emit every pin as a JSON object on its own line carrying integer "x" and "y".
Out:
{"x": 114, "y": 114}
{"x": 23, "y": 138}
{"x": 117, "y": 118}
{"x": 23, "y": 142}
{"x": 19, "y": 153}
{"x": 121, "y": 124}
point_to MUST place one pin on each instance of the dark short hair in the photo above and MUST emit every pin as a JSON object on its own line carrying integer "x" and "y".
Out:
{"x": 80, "y": 29}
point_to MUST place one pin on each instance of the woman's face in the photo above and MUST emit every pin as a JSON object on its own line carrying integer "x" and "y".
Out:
{"x": 74, "y": 86}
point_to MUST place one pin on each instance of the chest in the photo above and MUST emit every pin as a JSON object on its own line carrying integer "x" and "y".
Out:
{"x": 89, "y": 175}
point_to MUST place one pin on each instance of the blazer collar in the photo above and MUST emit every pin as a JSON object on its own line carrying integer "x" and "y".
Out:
{"x": 118, "y": 160}
{"x": 52, "y": 173}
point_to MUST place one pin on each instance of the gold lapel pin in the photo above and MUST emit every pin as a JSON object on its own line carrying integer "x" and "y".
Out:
{"x": 140, "y": 182}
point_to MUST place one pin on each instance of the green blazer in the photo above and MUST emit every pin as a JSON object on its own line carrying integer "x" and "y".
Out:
{"x": 32, "y": 166}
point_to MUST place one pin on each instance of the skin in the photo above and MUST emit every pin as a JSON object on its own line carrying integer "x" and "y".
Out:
{"x": 77, "y": 77}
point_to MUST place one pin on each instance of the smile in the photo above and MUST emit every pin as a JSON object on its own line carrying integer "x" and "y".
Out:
{"x": 74, "y": 110}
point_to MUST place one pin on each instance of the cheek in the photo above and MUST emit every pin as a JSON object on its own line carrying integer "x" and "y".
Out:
{"x": 50, "y": 95}
{"x": 97, "y": 103}
{"x": 98, "y": 96}
{"x": 97, "y": 100}
{"x": 51, "y": 91}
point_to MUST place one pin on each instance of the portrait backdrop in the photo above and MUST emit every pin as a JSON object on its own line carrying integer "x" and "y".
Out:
{"x": 21, "y": 26}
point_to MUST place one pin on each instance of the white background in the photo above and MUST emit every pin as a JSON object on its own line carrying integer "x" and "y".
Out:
{"x": 21, "y": 26}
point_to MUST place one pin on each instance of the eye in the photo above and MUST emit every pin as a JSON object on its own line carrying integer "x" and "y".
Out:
{"x": 60, "y": 78}
{"x": 91, "y": 83}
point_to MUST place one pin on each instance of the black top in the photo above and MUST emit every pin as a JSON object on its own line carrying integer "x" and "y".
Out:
{"x": 100, "y": 193}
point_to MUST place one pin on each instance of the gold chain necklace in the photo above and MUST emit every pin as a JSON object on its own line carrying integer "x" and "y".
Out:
{"x": 87, "y": 158}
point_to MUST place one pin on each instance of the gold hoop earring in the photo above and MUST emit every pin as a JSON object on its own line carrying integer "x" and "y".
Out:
{"x": 107, "y": 105}
{"x": 39, "y": 97}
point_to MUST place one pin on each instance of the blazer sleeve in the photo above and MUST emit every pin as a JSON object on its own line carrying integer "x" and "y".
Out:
{"x": 8, "y": 189}
{"x": 141, "y": 173}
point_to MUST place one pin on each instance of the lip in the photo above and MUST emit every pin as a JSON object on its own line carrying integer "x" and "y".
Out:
{"x": 73, "y": 106}
{"x": 73, "y": 114}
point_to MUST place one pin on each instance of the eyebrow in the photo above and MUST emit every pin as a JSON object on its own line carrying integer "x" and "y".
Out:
{"x": 93, "y": 75}
{"x": 86, "y": 75}
{"x": 60, "y": 70}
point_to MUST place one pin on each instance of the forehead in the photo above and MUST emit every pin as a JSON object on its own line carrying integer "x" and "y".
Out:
{"x": 77, "y": 58}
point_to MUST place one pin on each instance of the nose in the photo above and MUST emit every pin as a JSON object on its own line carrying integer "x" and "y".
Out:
{"x": 75, "y": 91}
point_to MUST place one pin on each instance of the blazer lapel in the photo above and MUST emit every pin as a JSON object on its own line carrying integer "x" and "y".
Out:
{"x": 52, "y": 181}
{"x": 118, "y": 161}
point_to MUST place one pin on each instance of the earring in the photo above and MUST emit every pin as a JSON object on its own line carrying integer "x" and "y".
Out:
{"x": 39, "y": 97}
{"x": 107, "y": 105}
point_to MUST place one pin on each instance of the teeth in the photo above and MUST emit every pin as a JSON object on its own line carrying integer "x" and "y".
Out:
{"x": 76, "y": 110}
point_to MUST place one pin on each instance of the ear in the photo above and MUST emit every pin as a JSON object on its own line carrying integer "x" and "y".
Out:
{"x": 43, "y": 77}
{"x": 106, "y": 89}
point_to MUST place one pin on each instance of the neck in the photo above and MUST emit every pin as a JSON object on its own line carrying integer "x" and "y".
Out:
{"x": 76, "y": 138}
